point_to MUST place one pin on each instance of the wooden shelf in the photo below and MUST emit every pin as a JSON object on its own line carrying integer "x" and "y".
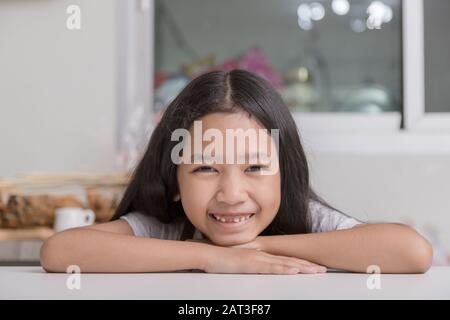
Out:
{"x": 45, "y": 180}
{"x": 36, "y": 233}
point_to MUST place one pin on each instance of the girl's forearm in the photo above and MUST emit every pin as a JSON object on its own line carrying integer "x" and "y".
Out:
{"x": 394, "y": 248}
{"x": 99, "y": 251}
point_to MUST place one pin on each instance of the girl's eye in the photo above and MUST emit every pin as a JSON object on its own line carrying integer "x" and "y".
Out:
{"x": 255, "y": 168}
{"x": 205, "y": 169}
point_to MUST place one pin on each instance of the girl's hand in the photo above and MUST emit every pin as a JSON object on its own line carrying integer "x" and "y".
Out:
{"x": 240, "y": 260}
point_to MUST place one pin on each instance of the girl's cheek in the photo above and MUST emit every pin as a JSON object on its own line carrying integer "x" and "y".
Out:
{"x": 268, "y": 195}
{"x": 199, "y": 195}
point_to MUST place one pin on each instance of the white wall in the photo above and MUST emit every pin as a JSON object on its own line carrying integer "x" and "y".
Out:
{"x": 57, "y": 87}
{"x": 388, "y": 188}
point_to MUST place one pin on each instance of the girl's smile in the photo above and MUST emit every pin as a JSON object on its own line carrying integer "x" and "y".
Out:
{"x": 232, "y": 221}
{"x": 231, "y": 216}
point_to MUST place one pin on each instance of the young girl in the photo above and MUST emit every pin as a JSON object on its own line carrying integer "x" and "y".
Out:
{"x": 238, "y": 217}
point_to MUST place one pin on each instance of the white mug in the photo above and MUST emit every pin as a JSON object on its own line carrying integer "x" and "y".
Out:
{"x": 71, "y": 217}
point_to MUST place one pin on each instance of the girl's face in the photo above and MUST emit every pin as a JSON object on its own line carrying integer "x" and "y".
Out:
{"x": 230, "y": 203}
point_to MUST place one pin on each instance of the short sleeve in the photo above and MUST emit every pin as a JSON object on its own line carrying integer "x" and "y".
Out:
{"x": 144, "y": 225}
{"x": 325, "y": 219}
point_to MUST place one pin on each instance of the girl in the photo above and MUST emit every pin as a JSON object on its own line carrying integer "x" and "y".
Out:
{"x": 239, "y": 218}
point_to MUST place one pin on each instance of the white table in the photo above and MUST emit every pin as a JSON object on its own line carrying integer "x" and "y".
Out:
{"x": 35, "y": 283}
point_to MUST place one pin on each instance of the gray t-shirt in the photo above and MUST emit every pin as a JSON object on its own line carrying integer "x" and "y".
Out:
{"x": 323, "y": 219}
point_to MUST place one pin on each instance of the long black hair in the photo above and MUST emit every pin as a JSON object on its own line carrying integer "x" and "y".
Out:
{"x": 153, "y": 184}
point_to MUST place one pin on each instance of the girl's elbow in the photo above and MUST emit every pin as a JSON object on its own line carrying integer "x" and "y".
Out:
{"x": 423, "y": 256}
{"x": 49, "y": 255}
{"x": 420, "y": 252}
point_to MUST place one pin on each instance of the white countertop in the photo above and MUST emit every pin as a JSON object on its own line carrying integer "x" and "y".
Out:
{"x": 35, "y": 283}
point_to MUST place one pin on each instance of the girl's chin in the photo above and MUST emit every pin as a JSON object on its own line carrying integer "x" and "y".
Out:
{"x": 224, "y": 242}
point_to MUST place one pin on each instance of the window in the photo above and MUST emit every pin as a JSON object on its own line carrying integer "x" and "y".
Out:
{"x": 323, "y": 56}
{"x": 437, "y": 56}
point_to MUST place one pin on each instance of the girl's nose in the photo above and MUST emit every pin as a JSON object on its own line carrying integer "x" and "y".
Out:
{"x": 231, "y": 189}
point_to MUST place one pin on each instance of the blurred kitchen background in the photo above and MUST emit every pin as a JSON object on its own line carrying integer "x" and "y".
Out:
{"x": 82, "y": 84}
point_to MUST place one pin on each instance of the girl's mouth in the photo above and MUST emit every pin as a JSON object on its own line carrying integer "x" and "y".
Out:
{"x": 231, "y": 220}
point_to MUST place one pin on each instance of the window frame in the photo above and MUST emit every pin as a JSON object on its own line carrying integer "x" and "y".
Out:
{"x": 134, "y": 94}
{"x": 416, "y": 117}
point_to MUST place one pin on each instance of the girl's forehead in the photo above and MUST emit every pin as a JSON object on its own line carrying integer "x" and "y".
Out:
{"x": 230, "y": 138}
{"x": 223, "y": 121}
{"x": 230, "y": 128}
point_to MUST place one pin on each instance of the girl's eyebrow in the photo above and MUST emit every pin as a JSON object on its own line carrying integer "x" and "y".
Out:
{"x": 250, "y": 157}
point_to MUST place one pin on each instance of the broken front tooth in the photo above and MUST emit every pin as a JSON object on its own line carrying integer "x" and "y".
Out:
{"x": 229, "y": 219}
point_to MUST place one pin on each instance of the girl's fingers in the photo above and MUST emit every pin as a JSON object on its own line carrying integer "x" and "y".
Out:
{"x": 288, "y": 269}
{"x": 297, "y": 260}
{"x": 279, "y": 269}
{"x": 315, "y": 267}
{"x": 318, "y": 267}
{"x": 303, "y": 265}
{"x": 303, "y": 268}
{"x": 285, "y": 258}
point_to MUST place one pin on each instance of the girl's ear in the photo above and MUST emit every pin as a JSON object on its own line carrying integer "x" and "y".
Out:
{"x": 176, "y": 197}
